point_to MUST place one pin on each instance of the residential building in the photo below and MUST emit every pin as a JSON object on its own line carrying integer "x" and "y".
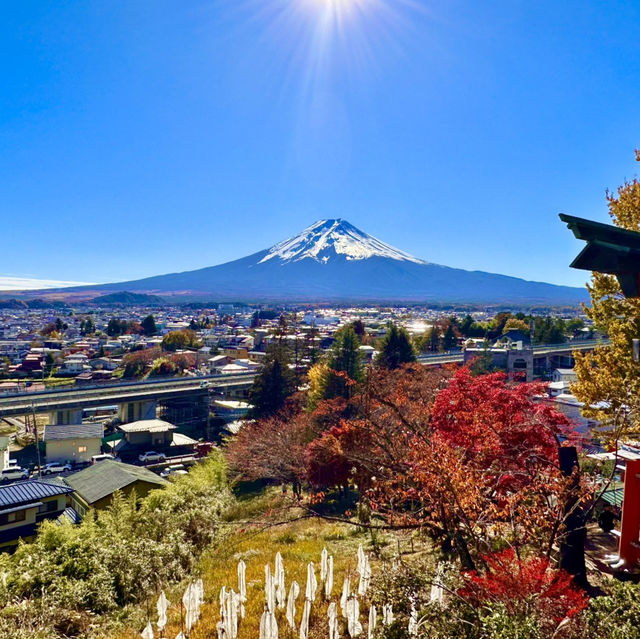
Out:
{"x": 94, "y": 486}
{"x": 152, "y": 434}
{"x": 75, "y": 443}
{"x": 561, "y": 380}
{"x": 75, "y": 364}
{"x": 24, "y": 505}
{"x": 231, "y": 410}
{"x": 93, "y": 377}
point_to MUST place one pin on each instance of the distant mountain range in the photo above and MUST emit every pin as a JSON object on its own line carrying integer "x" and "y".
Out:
{"x": 332, "y": 260}
{"x": 127, "y": 298}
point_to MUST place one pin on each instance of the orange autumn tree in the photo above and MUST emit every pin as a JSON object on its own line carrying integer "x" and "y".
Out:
{"x": 473, "y": 461}
{"x": 274, "y": 447}
{"x": 373, "y": 426}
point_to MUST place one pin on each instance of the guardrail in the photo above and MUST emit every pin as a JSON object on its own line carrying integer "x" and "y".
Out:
{"x": 18, "y": 404}
{"x": 174, "y": 381}
{"x": 452, "y": 353}
{"x": 458, "y": 355}
{"x": 572, "y": 346}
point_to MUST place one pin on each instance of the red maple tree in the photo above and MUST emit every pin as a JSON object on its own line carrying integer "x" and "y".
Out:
{"x": 468, "y": 459}
{"x": 525, "y": 587}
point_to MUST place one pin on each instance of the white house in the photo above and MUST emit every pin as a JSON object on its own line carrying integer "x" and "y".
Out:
{"x": 247, "y": 364}
{"x": 561, "y": 380}
{"x": 4, "y": 452}
{"x": 75, "y": 364}
{"x": 231, "y": 410}
{"x": 232, "y": 369}
{"x": 76, "y": 443}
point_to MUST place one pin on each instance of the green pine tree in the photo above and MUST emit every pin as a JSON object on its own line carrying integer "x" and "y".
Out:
{"x": 433, "y": 342}
{"x": 149, "y": 325}
{"x": 273, "y": 385}
{"x": 449, "y": 339}
{"x": 345, "y": 364}
{"x": 396, "y": 348}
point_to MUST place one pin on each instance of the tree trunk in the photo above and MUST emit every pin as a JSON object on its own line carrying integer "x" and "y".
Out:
{"x": 463, "y": 552}
{"x": 572, "y": 546}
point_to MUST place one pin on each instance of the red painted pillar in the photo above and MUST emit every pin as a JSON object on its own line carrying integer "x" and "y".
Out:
{"x": 630, "y": 533}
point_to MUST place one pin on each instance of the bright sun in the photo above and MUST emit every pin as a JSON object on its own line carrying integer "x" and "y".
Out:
{"x": 322, "y": 36}
{"x": 340, "y": 6}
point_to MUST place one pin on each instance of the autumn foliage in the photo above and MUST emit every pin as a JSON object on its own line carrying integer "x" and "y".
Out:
{"x": 274, "y": 447}
{"x": 525, "y": 587}
{"x": 472, "y": 461}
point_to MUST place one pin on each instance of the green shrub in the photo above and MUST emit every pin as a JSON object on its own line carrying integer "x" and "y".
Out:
{"x": 616, "y": 615}
{"x": 116, "y": 556}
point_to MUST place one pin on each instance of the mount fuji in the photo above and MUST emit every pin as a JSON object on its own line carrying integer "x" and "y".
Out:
{"x": 332, "y": 260}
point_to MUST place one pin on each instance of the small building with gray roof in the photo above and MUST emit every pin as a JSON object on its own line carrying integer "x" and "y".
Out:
{"x": 152, "y": 434}
{"x": 94, "y": 486}
{"x": 75, "y": 443}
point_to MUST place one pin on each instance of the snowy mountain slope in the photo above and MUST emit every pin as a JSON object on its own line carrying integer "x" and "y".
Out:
{"x": 327, "y": 238}
{"x": 332, "y": 261}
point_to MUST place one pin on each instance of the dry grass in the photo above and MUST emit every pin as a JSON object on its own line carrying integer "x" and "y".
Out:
{"x": 299, "y": 541}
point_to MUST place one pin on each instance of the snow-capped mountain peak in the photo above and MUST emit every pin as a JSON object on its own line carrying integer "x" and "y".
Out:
{"x": 327, "y": 238}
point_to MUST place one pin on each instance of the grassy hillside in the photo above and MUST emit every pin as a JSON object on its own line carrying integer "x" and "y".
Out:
{"x": 299, "y": 540}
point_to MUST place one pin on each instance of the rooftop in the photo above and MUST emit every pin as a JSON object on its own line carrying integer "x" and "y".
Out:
{"x": 103, "y": 479}
{"x": 28, "y": 491}
{"x": 53, "y": 432}
{"x": 147, "y": 426}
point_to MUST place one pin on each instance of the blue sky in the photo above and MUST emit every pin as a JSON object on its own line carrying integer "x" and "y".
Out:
{"x": 154, "y": 136}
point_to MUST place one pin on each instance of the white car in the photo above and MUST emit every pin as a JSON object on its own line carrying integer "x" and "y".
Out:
{"x": 55, "y": 467}
{"x": 13, "y": 473}
{"x": 174, "y": 469}
{"x": 151, "y": 456}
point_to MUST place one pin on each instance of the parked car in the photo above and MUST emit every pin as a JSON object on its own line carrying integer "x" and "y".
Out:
{"x": 151, "y": 456}
{"x": 13, "y": 473}
{"x": 55, "y": 467}
{"x": 174, "y": 469}
{"x": 98, "y": 458}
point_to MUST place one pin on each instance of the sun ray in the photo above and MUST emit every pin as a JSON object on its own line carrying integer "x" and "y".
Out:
{"x": 311, "y": 38}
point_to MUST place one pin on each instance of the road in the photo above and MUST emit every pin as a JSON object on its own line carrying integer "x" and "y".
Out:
{"x": 105, "y": 394}
{"x": 123, "y": 392}
{"x": 456, "y": 357}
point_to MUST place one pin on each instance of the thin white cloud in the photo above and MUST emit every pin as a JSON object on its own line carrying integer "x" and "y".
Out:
{"x": 29, "y": 284}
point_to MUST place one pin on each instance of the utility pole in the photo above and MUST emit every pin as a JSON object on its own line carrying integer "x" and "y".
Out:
{"x": 35, "y": 431}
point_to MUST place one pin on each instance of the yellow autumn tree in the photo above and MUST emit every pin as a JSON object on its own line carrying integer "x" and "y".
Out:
{"x": 608, "y": 378}
{"x": 318, "y": 378}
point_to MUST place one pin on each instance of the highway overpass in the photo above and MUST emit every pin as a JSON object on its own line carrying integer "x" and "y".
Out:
{"x": 77, "y": 398}
{"x": 68, "y": 402}
{"x": 540, "y": 351}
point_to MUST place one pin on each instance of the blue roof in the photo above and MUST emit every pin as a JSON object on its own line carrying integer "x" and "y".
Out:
{"x": 31, "y": 490}
{"x": 71, "y": 515}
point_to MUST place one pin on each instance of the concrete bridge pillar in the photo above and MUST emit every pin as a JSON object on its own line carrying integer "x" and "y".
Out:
{"x": 65, "y": 417}
{"x": 134, "y": 411}
{"x": 520, "y": 364}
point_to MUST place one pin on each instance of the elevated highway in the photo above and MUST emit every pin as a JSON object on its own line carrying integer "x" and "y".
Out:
{"x": 198, "y": 388}
{"x": 539, "y": 351}
{"x": 81, "y": 397}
